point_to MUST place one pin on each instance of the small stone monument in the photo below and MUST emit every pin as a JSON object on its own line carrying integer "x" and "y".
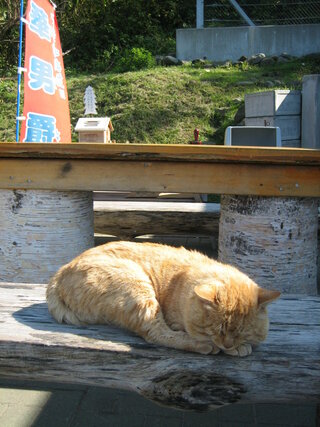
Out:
{"x": 89, "y": 101}
{"x": 93, "y": 129}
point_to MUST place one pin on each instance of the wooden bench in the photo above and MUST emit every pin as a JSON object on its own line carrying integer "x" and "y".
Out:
{"x": 286, "y": 368}
{"x": 32, "y": 345}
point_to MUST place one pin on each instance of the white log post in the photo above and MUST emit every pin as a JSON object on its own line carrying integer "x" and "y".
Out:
{"x": 273, "y": 240}
{"x": 42, "y": 230}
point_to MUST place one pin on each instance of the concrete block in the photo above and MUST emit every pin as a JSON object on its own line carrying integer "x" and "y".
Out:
{"x": 291, "y": 143}
{"x": 290, "y": 125}
{"x": 253, "y": 136}
{"x": 310, "y": 136}
{"x": 273, "y": 103}
{"x": 229, "y": 43}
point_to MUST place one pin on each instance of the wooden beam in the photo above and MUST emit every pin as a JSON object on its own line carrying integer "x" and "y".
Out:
{"x": 160, "y": 152}
{"x": 166, "y": 176}
{"x": 285, "y": 368}
{"x": 130, "y": 219}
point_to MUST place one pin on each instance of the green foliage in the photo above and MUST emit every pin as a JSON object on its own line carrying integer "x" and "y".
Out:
{"x": 9, "y": 35}
{"x": 135, "y": 59}
{"x": 165, "y": 104}
{"x": 97, "y": 33}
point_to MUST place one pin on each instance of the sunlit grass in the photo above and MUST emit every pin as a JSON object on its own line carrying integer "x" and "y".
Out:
{"x": 164, "y": 105}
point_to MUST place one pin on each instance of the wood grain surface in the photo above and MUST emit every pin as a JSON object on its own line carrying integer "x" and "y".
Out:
{"x": 160, "y": 176}
{"x": 284, "y": 368}
{"x": 160, "y": 152}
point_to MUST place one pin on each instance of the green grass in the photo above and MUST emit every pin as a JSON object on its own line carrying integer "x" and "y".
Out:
{"x": 164, "y": 105}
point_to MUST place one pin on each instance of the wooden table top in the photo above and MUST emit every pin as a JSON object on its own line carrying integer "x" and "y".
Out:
{"x": 161, "y": 168}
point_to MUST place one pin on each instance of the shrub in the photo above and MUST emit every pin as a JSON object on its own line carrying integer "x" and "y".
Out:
{"x": 135, "y": 59}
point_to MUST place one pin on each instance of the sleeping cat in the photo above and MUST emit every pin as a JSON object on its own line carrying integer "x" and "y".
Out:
{"x": 169, "y": 296}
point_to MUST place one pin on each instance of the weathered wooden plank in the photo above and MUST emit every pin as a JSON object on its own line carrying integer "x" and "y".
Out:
{"x": 285, "y": 368}
{"x": 130, "y": 219}
{"x": 184, "y": 177}
{"x": 160, "y": 152}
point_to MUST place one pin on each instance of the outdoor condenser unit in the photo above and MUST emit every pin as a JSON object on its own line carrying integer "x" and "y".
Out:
{"x": 253, "y": 136}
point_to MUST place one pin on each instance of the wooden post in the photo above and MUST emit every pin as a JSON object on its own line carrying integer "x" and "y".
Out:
{"x": 273, "y": 240}
{"x": 42, "y": 230}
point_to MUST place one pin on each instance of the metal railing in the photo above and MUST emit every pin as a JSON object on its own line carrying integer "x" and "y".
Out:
{"x": 259, "y": 12}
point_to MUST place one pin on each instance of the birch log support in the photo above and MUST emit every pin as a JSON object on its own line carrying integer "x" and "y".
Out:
{"x": 285, "y": 368}
{"x": 42, "y": 230}
{"x": 273, "y": 240}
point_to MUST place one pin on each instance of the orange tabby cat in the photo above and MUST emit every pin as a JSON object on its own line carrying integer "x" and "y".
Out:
{"x": 169, "y": 296}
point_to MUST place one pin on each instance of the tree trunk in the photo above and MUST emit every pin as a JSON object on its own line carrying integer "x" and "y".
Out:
{"x": 273, "y": 240}
{"x": 41, "y": 230}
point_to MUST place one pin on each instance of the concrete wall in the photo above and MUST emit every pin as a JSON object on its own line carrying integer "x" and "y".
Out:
{"x": 220, "y": 44}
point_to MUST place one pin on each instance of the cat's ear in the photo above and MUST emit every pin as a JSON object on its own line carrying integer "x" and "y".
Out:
{"x": 265, "y": 296}
{"x": 207, "y": 293}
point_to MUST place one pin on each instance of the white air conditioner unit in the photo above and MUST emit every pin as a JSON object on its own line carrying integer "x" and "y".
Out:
{"x": 253, "y": 136}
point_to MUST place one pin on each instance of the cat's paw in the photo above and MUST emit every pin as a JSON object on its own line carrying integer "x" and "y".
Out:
{"x": 176, "y": 327}
{"x": 215, "y": 349}
{"x": 242, "y": 351}
{"x": 204, "y": 348}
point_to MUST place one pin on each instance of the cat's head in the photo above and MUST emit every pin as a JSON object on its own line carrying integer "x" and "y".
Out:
{"x": 232, "y": 313}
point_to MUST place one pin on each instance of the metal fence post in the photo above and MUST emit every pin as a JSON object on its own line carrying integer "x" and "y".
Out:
{"x": 200, "y": 13}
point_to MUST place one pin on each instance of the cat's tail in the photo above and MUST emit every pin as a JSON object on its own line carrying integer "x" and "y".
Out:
{"x": 57, "y": 307}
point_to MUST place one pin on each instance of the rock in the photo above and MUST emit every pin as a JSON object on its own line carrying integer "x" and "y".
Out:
{"x": 208, "y": 65}
{"x": 218, "y": 63}
{"x": 159, "y": 59}
{"x": 222, "y": 111}
{"x": 171, "y": 60}
{"x": 240, "y": 114}
{"x": 269, "y": 83}
{"x": 282, "y": 59}
{"x": 237, "y": 100}
{"x": 313, "y": 56}
{"x": 246, "y": 83}
{"x": 226, "y": 64}
{"x": 256, "y": 59}
{"x": 267, "y": 61}
{"x": 287, "y": 56}
{"x": 198, "y": 62}
{"x": 242, "y": 58}
{"x": 235, "y": 63}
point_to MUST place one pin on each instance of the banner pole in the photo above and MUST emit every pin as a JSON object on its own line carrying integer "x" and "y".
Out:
{"x": 19, "y": 71}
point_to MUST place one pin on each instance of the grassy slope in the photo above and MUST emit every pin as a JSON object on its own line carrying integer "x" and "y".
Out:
{"x": 164, "y": 105}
